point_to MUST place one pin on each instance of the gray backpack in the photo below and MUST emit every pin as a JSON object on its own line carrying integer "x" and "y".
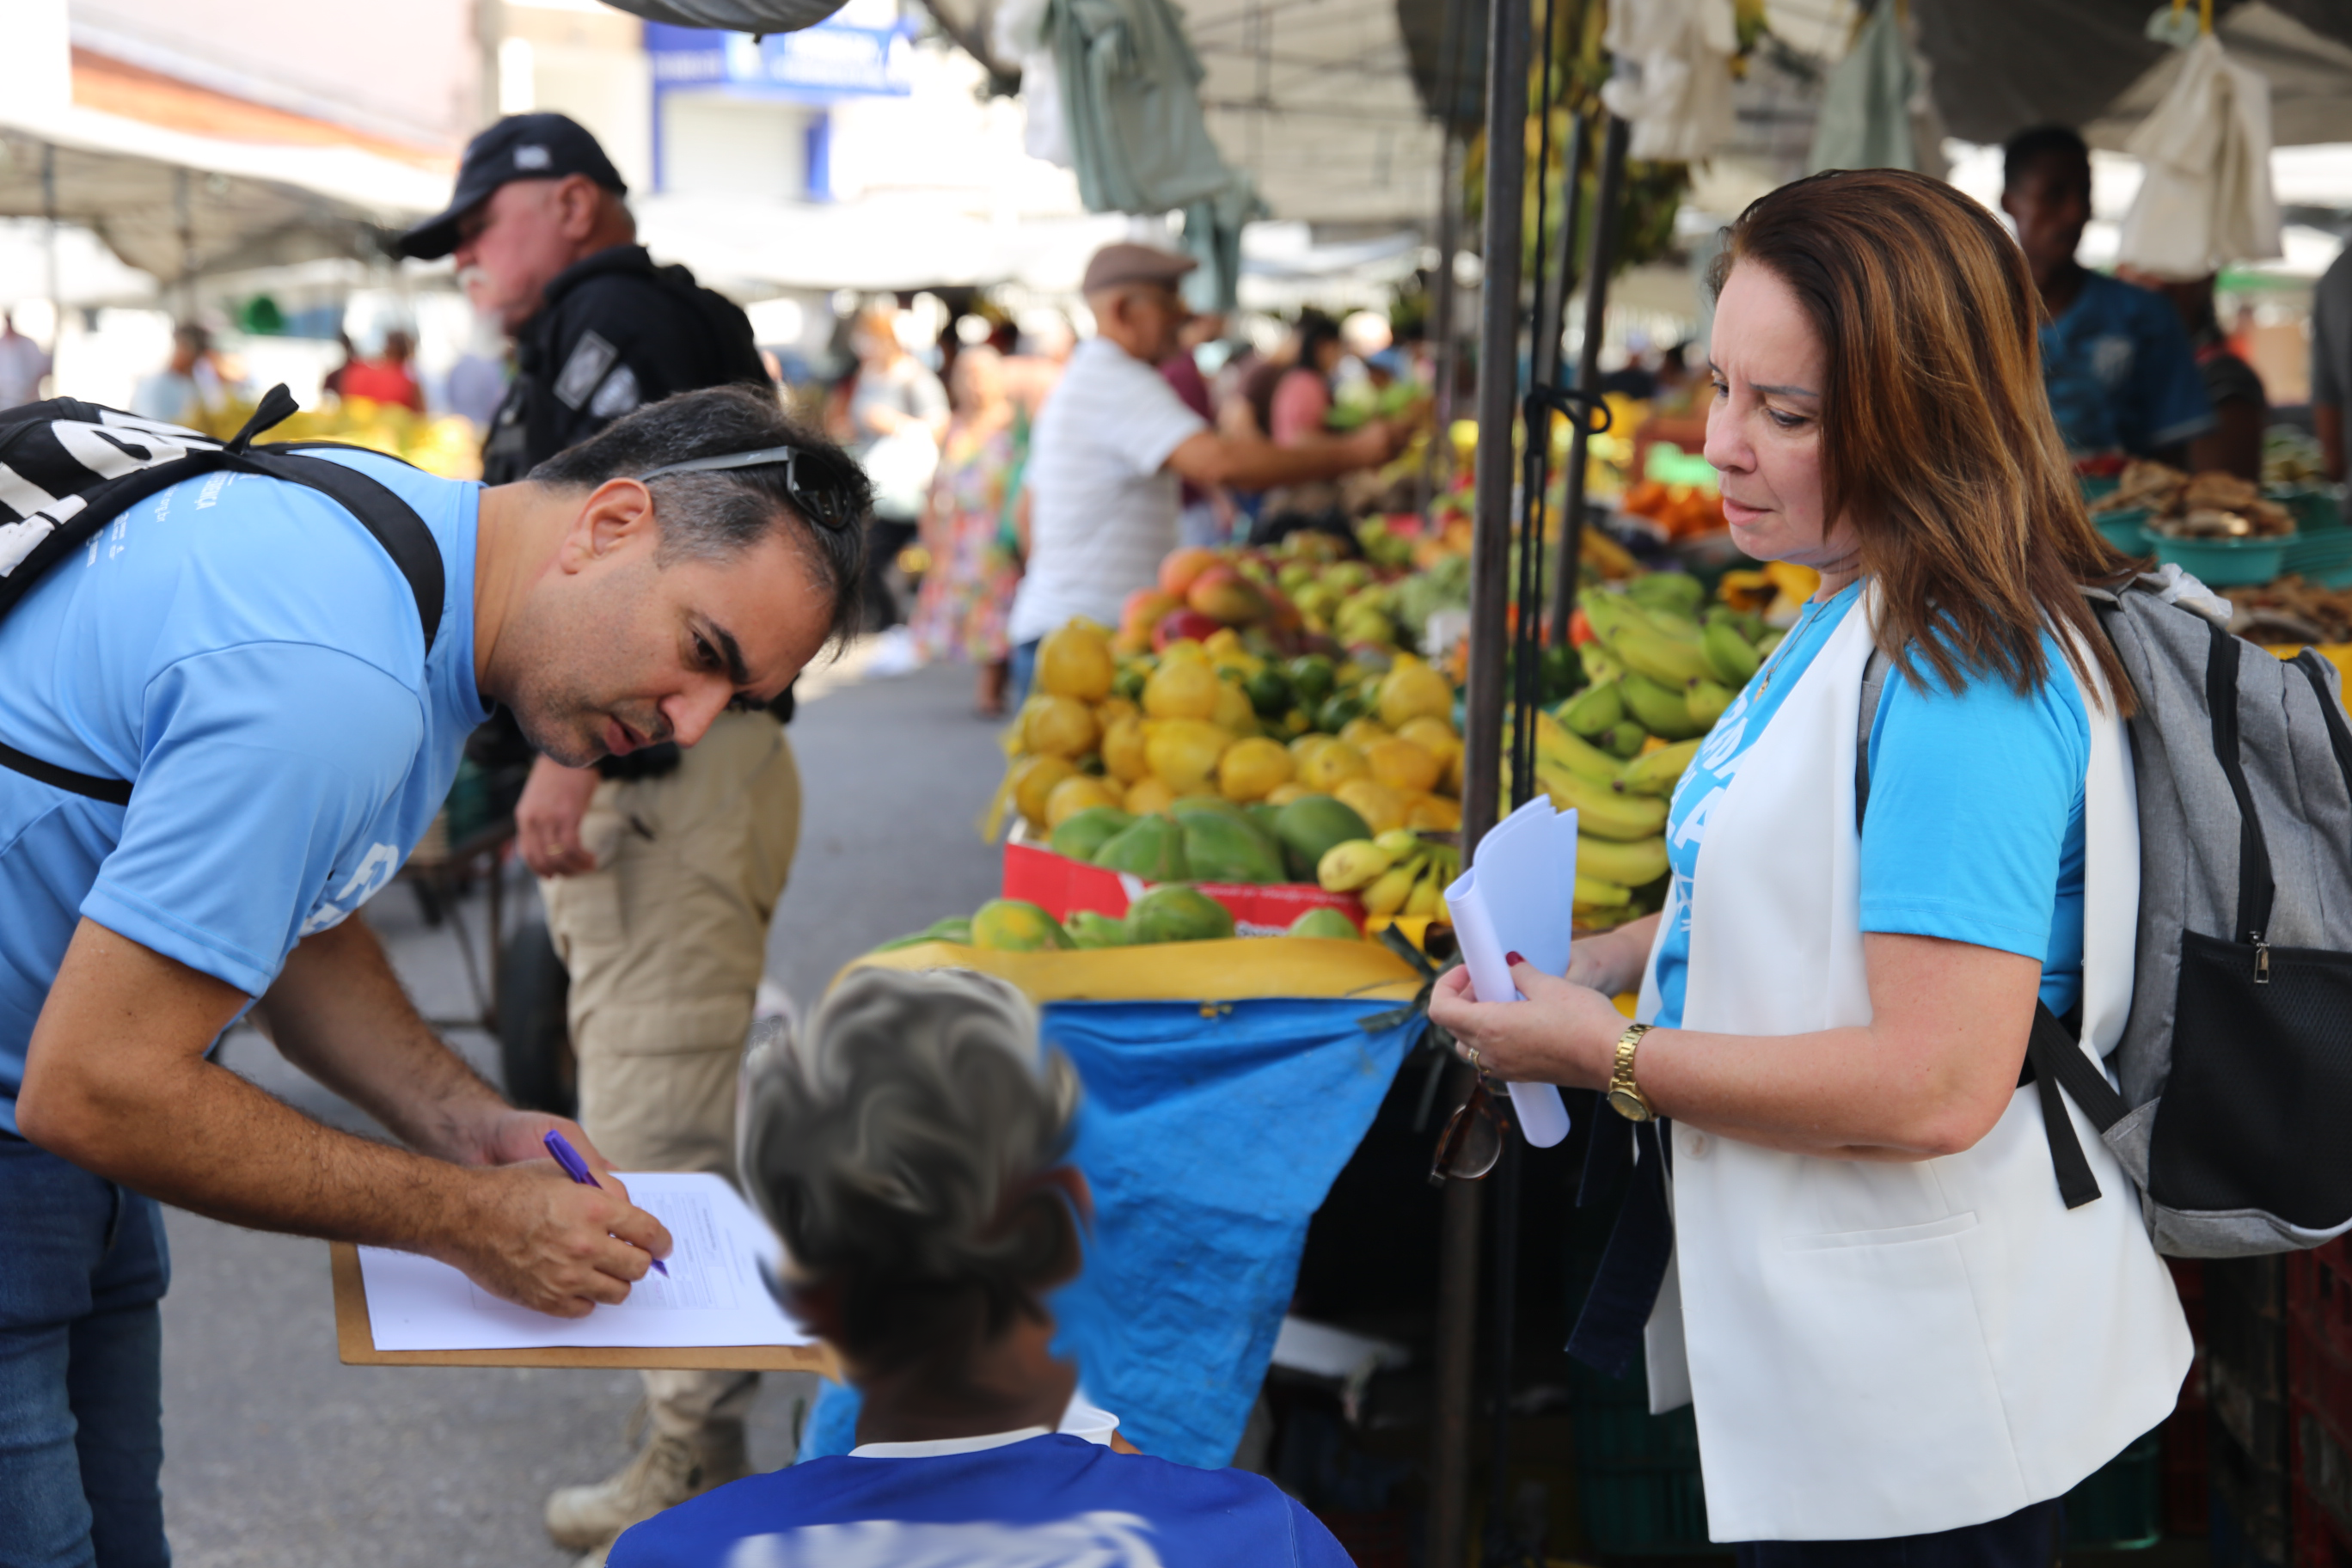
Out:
{"x": 2235, "y": 1110}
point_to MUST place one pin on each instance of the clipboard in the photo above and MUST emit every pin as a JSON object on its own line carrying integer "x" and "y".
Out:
{"x": 355, "y": 1342}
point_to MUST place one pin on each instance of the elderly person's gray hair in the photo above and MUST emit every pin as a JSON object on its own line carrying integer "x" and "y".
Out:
{"x": 895, "y": 1148}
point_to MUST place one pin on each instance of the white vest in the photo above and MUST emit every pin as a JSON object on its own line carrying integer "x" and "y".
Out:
{"x": 1879, "y": 1348}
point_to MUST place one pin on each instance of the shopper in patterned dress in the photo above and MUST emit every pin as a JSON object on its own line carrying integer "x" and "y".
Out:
{"x": 974, "y": 568}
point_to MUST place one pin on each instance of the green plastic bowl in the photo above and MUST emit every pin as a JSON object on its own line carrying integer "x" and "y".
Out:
{"x": 2127, "y": 531}
{"x": 2225, "y": 563}
{"x": 2095, "y": 485}
{"x": 2317, "y": 508}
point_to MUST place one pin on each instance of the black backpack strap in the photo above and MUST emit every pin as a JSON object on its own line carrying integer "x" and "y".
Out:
{"x": 113, "y": 791}
{"x": 379, "y": 511}
{"x": 2053, "y": 1060}
{"x": 392, "y": 521}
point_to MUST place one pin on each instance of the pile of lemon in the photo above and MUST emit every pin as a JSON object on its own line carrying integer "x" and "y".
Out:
{"x": 1191, "y": 730}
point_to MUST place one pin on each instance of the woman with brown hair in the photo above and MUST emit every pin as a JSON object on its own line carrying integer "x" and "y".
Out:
{"x": 1898, "y": 1337}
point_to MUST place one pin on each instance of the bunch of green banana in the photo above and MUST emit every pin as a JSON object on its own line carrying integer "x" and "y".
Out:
{"x": 1656, "y": 773}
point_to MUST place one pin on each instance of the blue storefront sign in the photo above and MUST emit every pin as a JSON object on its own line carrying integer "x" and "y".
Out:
{"x": 816, "y": 65}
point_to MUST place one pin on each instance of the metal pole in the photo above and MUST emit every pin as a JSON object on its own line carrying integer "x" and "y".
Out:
{"x": 1438, "y": 461}
{"x": 1490, "y": 558}
{"x": 1551, "y": 309}
{"x": 1607, "y": 214}
{"x": 49, "y": 211}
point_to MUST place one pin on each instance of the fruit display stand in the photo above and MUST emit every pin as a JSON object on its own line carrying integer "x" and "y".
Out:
{"x": 1226, "y": 1084}
{"x": 1062, "y": 886}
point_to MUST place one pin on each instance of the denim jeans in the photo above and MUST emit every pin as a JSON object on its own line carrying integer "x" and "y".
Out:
{"x": 1024, "y": 673}
{"x": 82, "y": 1265}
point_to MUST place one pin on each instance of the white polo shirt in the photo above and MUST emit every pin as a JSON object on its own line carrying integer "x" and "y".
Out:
{"x": 1102, "y": 508}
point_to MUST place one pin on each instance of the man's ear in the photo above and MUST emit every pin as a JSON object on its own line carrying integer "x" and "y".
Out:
{"x": 577, "y": 199}
{"x": 615, "y": 516}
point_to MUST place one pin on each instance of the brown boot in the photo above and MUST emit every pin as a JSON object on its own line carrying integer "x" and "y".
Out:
{"x": 666, "y": 1472}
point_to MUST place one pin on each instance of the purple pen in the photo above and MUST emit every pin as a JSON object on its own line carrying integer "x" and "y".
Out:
{"x": 565, "y": 1155}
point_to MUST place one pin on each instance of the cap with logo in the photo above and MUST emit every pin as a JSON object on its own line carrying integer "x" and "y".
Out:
{"x": 519, "y": 147}
{"x": 1115, "y": 265}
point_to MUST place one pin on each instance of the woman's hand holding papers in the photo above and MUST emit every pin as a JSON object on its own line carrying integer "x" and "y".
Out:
{"x": 543, "y": 1242}
{"x": 1564, "y": 1032}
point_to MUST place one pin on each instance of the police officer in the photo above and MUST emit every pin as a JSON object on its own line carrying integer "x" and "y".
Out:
{"x": 659, "y": 870}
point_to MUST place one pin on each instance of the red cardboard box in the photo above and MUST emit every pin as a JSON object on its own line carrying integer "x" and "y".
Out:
{"x": 1062, "y": 887}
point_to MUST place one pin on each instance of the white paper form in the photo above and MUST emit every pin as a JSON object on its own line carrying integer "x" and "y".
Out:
{"x": 714, "y": 1295}
{"x": 1518, "y": 895}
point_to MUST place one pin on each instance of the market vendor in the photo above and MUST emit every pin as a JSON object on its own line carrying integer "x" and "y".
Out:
{"x": 1112, "y": 443}
{"x": 2118, "y": 367}
{"x": 1900, "y": 1345}
{"x": 252, "y": 661}
{"x": 911, "y": 1155}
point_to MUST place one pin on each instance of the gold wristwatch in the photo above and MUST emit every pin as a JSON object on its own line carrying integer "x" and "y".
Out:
{"x": 1623, "y": 1096}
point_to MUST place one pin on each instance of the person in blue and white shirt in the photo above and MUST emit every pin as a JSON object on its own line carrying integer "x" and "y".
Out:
{"x": 246, "y": 654}
{"x": 910, "y": 1152}
{"x": 1901, "y": 1346}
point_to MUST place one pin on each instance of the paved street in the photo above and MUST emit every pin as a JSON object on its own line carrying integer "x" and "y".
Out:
{"x": 277, "y": 1457}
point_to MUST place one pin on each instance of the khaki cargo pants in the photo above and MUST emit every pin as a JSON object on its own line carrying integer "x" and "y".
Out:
{"x": 665, "y": 940}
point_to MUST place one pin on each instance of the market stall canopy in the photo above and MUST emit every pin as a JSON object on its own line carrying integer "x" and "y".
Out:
{"x": 2000, "y": 66}
{"x": 180, "y": 181}
{"x": 752, "y": 248}
{"x": 734, "y": 16}
{"x": 1317, "y": 102}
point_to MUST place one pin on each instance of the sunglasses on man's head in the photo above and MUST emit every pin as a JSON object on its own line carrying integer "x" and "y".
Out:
{"x": 818, "y": 483}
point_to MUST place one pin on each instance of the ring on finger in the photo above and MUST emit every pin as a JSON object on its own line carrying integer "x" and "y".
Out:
{"x": 1470, "y": 1055}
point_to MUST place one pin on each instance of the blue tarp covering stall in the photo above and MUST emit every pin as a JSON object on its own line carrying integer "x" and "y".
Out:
{"x": 1211, "y": 1133}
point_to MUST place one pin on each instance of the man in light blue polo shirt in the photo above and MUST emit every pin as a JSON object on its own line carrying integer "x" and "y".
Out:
{"x": 252, "y": 659}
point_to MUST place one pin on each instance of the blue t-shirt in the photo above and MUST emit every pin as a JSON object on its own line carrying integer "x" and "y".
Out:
{"x": 2120, "y": 373}
{"x": 1050, "y": 1501}
{"x": 249, "y": 654}
{"x": 1974, "y": 830}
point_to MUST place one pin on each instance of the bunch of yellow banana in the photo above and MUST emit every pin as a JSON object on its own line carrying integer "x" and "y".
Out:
{"x": 1398, "y": 873}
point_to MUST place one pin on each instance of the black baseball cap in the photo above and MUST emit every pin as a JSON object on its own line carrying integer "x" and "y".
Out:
{"x": 519, "y": 147}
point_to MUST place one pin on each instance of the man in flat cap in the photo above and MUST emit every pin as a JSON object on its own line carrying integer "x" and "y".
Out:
{"x": 1113, "y": 442}
{"x": 659, "y": 869}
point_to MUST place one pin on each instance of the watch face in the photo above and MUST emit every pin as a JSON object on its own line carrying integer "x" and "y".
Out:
{"x": 1628, "y": 1105}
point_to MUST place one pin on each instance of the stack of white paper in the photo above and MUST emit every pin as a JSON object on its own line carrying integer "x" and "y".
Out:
{"x": 1518, "y": 895}
{"x": 714, "y": 1295}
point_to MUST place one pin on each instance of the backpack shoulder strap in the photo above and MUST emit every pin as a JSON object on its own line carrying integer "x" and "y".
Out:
{"x": 379, "y": 509}
{"x": 1873, "y": 692}
{"x": 2053, "y": 1058}
{"x": 392, "y": 521}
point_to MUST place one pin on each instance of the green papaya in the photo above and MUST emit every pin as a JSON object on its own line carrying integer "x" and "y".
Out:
{"x": 1092, "y": 928}
{"x": 1178, "y": 914}
{"x": 1016, "y": 925}
{"x": 1083, "y": 835}
{"x": 956, "y": 929}
{"x": 1151, "y": 848}
{"x": 1221, "y": 848}
{"x": 1309, "y": 826}
{"x": 1328, "y": 923}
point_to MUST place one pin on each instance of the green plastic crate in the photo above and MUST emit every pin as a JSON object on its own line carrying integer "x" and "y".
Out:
{"x": 2119, "y": 1507}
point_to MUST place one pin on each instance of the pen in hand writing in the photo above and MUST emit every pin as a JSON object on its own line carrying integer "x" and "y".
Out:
{"x": 577, "y": 1169}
